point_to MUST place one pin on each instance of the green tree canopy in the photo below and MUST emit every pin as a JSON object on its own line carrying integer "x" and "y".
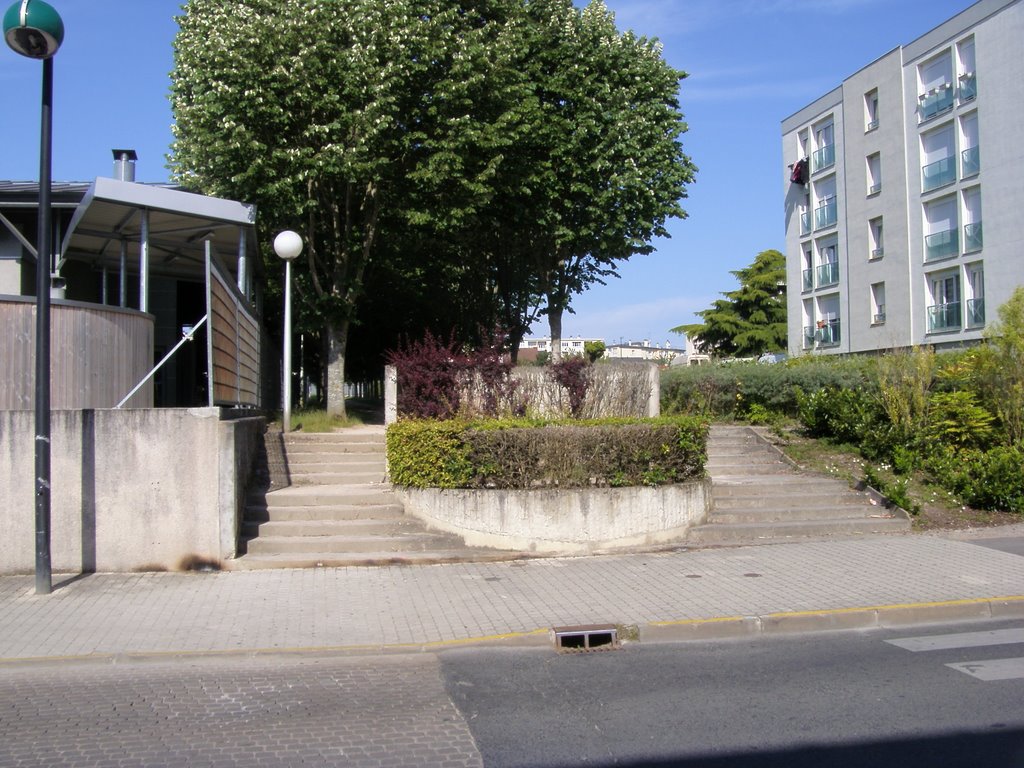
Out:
{"x": 337, "y": 114}
{"x": 750, "y": 320}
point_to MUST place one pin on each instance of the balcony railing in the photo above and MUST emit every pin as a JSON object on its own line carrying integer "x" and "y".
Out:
{"x": 968, "y": 87}
{"x": 938, "y": 174}
{"x": 972, "y": 237}
{"x": 826, "y": 333}
{"x": 874, "y": 189}
{"x": 808, "y": 279}
{"x": 944, "y": 317}
{"x": 878, "y": 318}
{"x": 941, "y": 245}
{"x": 975, "y": 313}
{"x": 805, "y": 223}
{"x": 823, "y": 158}
{"x": 825, "y": 215}
{"x": 828, "y": 273}
{"x": 877, "y": 253}
{"x": 970, "y": 162}
{"x": 871, "y": 126}
{"x": 809, "y": 336}
{"x": 936, "y": 101}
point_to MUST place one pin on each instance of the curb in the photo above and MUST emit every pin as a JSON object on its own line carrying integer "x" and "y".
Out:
{"x": 683, "y": 630}
{"x": 868, "y": 617}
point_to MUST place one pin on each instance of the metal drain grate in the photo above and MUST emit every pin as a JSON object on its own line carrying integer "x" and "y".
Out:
{"x": 598, "y": 637}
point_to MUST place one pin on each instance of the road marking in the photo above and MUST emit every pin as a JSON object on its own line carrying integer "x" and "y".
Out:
{"x": 993, "y": 669}
{"x": 960, "y": 640}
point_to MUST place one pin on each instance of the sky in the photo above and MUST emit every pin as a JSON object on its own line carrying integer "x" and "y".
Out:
{"x": 751, "y": 64}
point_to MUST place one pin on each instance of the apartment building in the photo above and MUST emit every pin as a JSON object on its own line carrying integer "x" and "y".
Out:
{"x": 904, "y": 192}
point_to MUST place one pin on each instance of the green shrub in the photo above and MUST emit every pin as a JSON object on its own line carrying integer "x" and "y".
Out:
{"x": 428, "y": 453}
{"x": 520, "y": 453}
{"x": 956, "y": 420}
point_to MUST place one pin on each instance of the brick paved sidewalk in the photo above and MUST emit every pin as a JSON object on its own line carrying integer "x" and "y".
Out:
{"x": 811, "y": 585}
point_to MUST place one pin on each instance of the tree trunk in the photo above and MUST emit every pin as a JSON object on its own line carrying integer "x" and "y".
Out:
{"x": 337, "y": 341}
{"x": 555, "y": 324}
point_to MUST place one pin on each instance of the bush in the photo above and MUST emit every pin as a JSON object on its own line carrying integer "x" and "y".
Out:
{"x": 730, "y": 391}
{"x": 984, "y": 479}
{"x": 530, "y": 454}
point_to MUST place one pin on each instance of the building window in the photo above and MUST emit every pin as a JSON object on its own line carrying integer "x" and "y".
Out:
{"x": 824, "y": 155}
{"x": 935, "y": 81}
{"x": 875, "y": 238}
{"x": 967, "y": 80}
{"x": 938, "y": 167}
{"x": 808, "y": 269}
{"x": 827, "y": 326}
{"x": 944, "y": 311}
{"x": 942, "y": 239}
{"x": 970, "y": 155}
{"x": 874, "y": 163}
{"x": 973, "y": 240}
{"x": 871, "y": 110}
{"x": 828, "y": 264}
{"x": 976, "y": 293}
{"x": 827, "y": 208}
{"x": 877, "y": 303}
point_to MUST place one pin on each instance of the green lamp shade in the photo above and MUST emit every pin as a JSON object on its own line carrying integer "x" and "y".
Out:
{"x": 33, "y": 28}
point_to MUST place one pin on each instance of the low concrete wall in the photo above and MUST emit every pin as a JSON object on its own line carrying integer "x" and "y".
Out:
{"x": 563, "y": 521}
{"x": 131, "y": 489}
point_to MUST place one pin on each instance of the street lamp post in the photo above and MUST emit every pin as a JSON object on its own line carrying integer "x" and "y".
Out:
{"x": 34, "y": 29}
{"x": 287, "y": 245}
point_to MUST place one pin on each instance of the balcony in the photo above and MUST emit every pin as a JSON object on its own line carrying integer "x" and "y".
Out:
{"x": 878, "y": 318}
{"x": 805, "y": 223}
{"x": 938, "y": 174}
{"x": 877, "y": 253}
{"x": 808, "y": 279}
{"x": 941, "y": 245}
{"x": 975, "y": 313}
{"x": 828, "y": 273}
{"x": 825, "y": 215}
{"x": 826, "y": 333}
{"x": 935, "y": 102}
{"x": 944, "y": 317}
{"x": 972, "y": 237}
{"x": 970, "y": 162}
{"x": 873, "y": 125}
{"x": 874, "y": 189}
{"x": 809, "y": 336}
{"x": 968, "y": 87}
{"x": 823, "y": 158}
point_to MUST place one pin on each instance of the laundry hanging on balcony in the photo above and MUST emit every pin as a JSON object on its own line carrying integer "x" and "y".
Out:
{"x": 799, "y": 174}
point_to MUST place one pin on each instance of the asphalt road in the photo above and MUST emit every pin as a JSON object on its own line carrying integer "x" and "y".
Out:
{"x": 837, "y": 700}
{"x": 921, "y": 697}
{"x": 1011, "y": 544}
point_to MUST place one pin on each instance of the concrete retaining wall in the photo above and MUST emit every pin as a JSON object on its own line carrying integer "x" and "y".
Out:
{"x": 563, "y": 521}
{"x": 131, "y": 489}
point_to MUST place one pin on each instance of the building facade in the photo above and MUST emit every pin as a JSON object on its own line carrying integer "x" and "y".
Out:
{"x": 903, "y": 192}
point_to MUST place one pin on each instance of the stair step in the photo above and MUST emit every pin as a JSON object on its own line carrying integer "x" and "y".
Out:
{"x": 324, "y": 512}
{"x": 316, "y": 495}
{"x": 410, "y": 542}
{"x": 739, "y": 533}
{"x": 793, "y": 500}
{"x": 335, "y": 467}
{"x": 370, "y": 558}
{"x": 793, "y": 513}
{"x": 336, "y": 478}
{"x": 395, "y": 526}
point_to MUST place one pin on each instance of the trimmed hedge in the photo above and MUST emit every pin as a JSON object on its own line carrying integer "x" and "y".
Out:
{"x": 732, "y": 391}
{"x": 520, "y": 453}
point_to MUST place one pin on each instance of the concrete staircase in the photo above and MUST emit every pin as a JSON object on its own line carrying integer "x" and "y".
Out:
{"x": 758, "y": 496}
{"x": 338, "y": 510}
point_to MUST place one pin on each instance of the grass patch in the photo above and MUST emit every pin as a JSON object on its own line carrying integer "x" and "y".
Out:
{"x": 321, "y": 421}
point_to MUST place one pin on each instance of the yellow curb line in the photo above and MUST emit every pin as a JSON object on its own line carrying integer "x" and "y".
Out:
{"x": 840, "y": 611}
{"x": 300, "y": 650}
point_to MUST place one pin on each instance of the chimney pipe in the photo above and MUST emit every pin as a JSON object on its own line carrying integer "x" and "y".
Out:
{"x": 124, "y": 164}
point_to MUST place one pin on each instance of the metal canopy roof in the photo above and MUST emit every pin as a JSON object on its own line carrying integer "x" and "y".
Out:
{"x": 111, "y": 212}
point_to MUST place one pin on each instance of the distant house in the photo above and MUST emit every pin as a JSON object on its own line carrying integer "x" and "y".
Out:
{"x": 574, "y": 345}
{"x": 645, "y": 350}
{"x": 128, "y": 278}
